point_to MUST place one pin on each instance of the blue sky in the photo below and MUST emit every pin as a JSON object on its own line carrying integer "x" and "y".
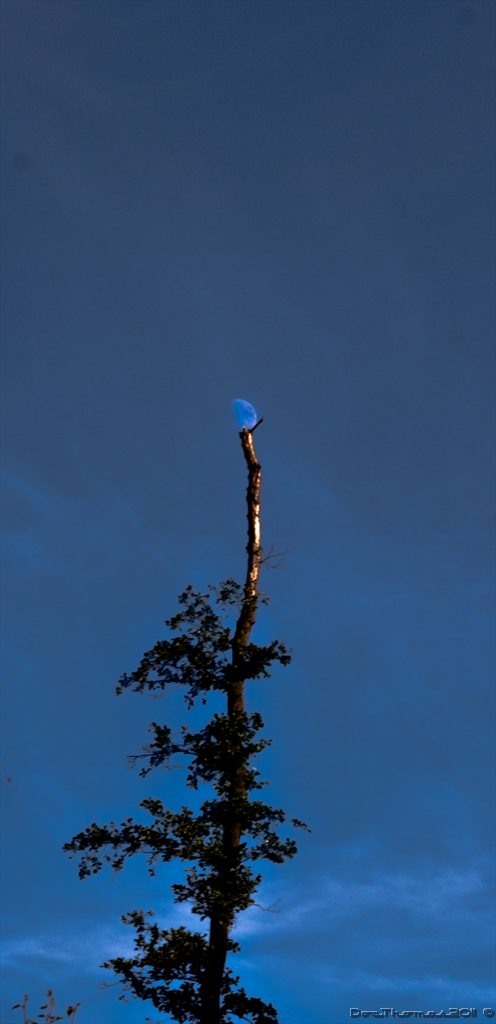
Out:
{"x": 292, "y": 203}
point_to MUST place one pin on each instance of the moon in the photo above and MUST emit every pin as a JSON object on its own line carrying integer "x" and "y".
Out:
{"x": 245, "y": 414}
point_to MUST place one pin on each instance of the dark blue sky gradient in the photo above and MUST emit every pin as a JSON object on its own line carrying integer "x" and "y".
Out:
{"x": 291, "y": 203}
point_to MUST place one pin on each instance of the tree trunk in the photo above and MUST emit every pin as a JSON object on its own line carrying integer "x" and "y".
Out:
{"x": 220, "y": 924}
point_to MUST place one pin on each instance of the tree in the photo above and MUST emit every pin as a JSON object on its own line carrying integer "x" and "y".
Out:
{"x": 184, "y": 972}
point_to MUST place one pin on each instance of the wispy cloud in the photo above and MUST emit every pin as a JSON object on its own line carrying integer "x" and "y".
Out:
{"x": 438, "y": 896}
{"x": 87, "y": 949}
{"x": 438, "y": 985}
{"x": 89, "y": 946}
{"x": 344, "y": 971}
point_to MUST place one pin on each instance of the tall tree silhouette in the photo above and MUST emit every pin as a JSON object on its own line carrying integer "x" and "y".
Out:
{"x": 209, "y": 648}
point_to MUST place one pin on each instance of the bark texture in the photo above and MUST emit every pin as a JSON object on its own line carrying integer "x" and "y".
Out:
{"x": 220, "y": 923}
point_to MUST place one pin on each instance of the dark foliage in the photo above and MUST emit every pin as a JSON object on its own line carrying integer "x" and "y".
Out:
{"x": 169, "y": 966}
